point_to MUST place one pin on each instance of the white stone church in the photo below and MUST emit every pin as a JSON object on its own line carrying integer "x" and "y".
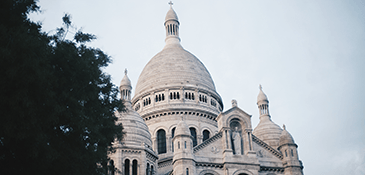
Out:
{"x": 175, "y": 123}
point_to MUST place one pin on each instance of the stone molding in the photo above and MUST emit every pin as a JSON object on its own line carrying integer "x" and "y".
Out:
{"x": 207, "y": 142}
{"x": 213, "y": 165}
{"x": 208, "y": 171}
{"x": 131, "y": 151}
{"x": 267, "y": 147}
{"x": 201, "y": 114}
{"x": 165, "y": 163}
{"x": 271, "y": 169}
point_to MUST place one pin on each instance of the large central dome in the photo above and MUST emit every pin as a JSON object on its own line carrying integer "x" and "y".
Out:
{"x": 174, "y": 79}
{"x": 174, "y": 66}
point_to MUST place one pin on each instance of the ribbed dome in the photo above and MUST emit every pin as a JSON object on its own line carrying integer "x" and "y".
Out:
{"x": 286, "y": 138}
{"x": 171, "y": 15}
{"x": 268, "y": 131}
{"x": 174, "y": 66}
{"x": 135, "y": 128}
{"x": 182, "y": 129}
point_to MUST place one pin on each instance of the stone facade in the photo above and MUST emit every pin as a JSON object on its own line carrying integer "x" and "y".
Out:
{"x": 175, "y": 123}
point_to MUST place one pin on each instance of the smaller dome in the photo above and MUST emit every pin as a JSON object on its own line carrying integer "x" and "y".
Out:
{"x": 182, "y": 129}
{"x": 135, "y": 128}
{"x": 171, "y": 15}
{"x": 262, "y": 96}
{"x": 268, "y": 131}
{"x": 286, "y": 138}
{"x": 125, "y": 81}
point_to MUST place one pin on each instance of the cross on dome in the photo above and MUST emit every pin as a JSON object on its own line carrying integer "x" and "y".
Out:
{"x": 125, "y": 71}
{"x": 170, "y": 3}
{"x": 260, "y": 87}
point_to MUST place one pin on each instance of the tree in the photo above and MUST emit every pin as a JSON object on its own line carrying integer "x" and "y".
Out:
{"x": 57, "y": 105}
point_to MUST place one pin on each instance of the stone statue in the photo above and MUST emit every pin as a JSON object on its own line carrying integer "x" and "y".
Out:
{"x": 236, "y": 139}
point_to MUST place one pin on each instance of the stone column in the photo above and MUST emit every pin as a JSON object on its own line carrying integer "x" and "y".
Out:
{"x": 199, "y": 139}
{"x": 154, "y": 144}
{"x": 153, "y": 100}
{"x": 182, "y": 96}
{"x": 168, "y": 143}
{"x": 167, "y": 95}
{"x": 141, "y": 104}
{"x": 196, "y": 95}
{"x": 229, "y": 139}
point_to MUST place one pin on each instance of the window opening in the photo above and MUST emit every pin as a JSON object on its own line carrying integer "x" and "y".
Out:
{"x": 193, "y": 133}
{"x": 161, "y": 141}
{"x": 206, "y": 134}
{"x": 126, "y": 166}
{"x": 134, "y": 167}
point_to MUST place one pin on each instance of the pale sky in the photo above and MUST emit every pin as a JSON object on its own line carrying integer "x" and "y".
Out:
{"x": 308, "y": 55}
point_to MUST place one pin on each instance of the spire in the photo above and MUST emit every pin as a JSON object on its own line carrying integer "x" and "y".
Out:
{"x": 172, "y": 26}
{"x": 125, "y": 87}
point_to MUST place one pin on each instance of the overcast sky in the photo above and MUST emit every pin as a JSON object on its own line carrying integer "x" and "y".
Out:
{"x": 308, "y": 55}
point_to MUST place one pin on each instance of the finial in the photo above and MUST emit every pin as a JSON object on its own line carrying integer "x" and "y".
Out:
{"x": 260, "y": 87}
{"x": 284, "y": 126}
{"x": 125, "y": 71}
{"x": 170, "y": 3}
{"x": 234, "y": 103}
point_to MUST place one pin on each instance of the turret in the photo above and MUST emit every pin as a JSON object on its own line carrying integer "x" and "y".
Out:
{"x": 292, "y": 164}
{"x": 183, "y": 160}
{"x": 266, "y": 130}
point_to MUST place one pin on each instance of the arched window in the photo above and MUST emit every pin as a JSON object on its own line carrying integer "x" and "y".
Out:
{"x": 292, "y": 154}
{"x": 111, "y": 167}
{"x": 161, "y": 141}
{"x": 156, "y": 99}
{"x": 193, "y": 133}
{"x": 186, "y": 95}
{"x": 174, "y": 95}
{"x": 159, "y": 97}
{"x": 178, "y": 145}
{"x": 187, "y": 171}
{"x": 148, "y": 169}
{"x": 185, "y": 144}
{"x": 152, "y": 170}
{"x": 189, "y": 95}
{"x": 286, "y": 154}
{"x": 172, "y": 136}
{"x": 206, "y": 134}
{"x": 171, "y": 96}
{"x": 178, "y": 96}
{"x": 192, "y": 96}
{"x": 126, "y": 167}
{"x": 163, "y": 97}
{"x": 134, "y": 167}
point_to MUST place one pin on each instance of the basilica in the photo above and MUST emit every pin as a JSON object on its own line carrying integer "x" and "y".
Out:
{"x": 175, "y": 123}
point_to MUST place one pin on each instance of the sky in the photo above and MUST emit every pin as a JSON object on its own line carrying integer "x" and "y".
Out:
{"x": 309, "y": 57}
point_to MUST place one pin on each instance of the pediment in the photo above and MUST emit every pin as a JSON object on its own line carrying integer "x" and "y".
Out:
{"x": 236, "y": 110}
{"x": 210, "y": 148}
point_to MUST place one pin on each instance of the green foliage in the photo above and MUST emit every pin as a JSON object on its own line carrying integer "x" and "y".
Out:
{"x": 57, "y": 106}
